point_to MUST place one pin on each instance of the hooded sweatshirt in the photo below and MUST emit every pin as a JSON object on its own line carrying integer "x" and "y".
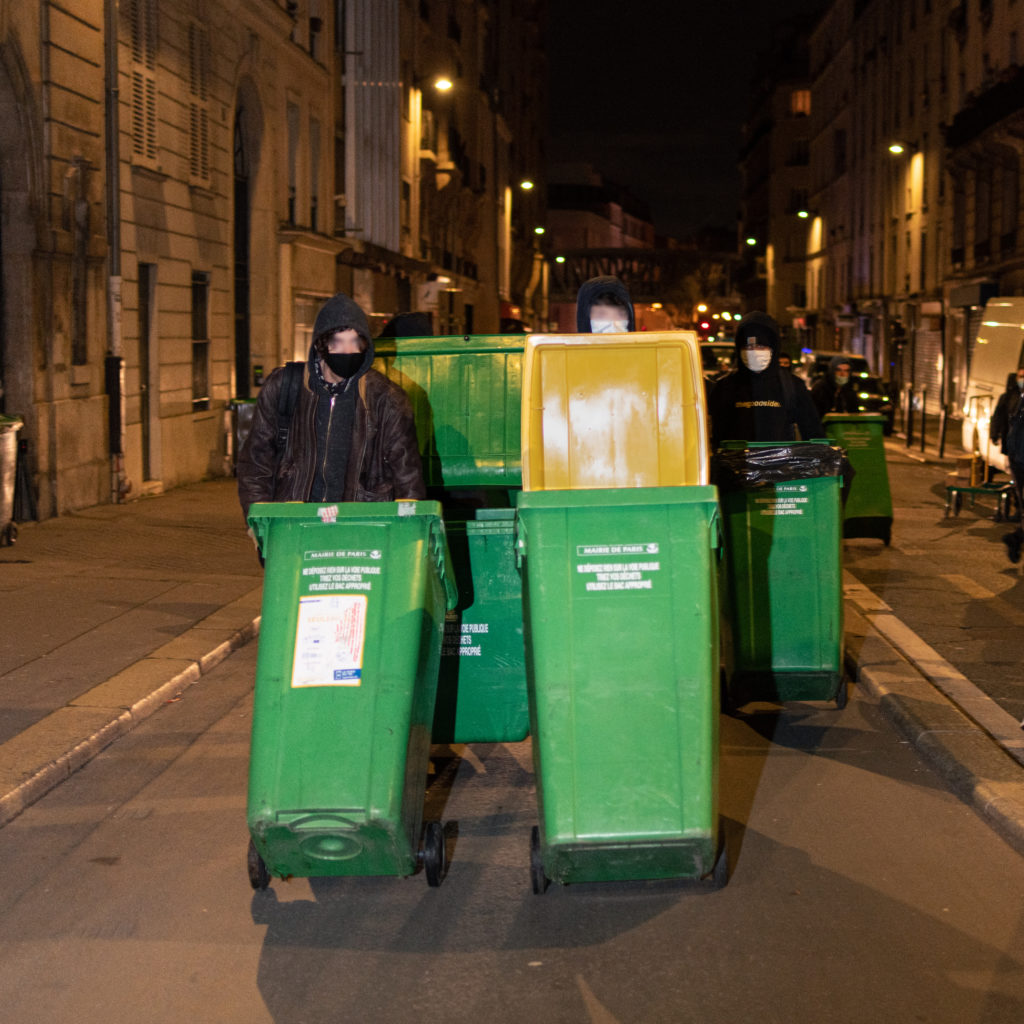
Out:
{"x": 335, "y": 413}
{"x": 589, "y": 293}
{"x": 375, "y": 441}
{"x": 1006, "y": 409}
{"x": 749, "y": 406}
{"x": 831, "y": 396}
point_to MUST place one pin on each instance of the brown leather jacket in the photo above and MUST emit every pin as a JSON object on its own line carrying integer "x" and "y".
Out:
{"x": 384, "y": 464}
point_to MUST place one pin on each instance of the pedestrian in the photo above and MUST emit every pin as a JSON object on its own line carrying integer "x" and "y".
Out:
{"x": 408, "y": 325}
{"x": 835, "y": 392}
{"x": 603, "y": 306}
{"x": 1006, "y": 408}
{"x": 349, "y": 432}
{"x": 758, "y": 401}
{"x": 1007, "y": 428}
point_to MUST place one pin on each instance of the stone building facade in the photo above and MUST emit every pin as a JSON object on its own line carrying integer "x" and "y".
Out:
{"x": 183, "y": 183}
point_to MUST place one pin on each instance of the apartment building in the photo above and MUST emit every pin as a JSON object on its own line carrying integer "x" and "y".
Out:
{"x": 184, "y": 183}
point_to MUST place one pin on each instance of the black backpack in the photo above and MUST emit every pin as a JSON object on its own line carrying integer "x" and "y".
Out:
{"x": 287, "y": 401}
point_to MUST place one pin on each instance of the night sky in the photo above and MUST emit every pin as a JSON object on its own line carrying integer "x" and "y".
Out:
{"x": 654, "y": 95}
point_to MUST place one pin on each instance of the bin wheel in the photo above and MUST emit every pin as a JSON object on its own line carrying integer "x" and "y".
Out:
{"x": 435, "y": 854}
{"x": 259, "y": 876}
{"x": 726, "y": 704}
{"x": 719, "y": 876}
{"x": 841, "y": 694}
{"x": 538, "y": 880}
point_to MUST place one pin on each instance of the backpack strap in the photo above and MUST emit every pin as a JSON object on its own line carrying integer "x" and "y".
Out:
{"x": 287, "y": 401}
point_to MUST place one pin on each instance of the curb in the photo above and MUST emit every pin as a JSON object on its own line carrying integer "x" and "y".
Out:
{"x": 965, "y": 755}
{"x": 61, "y": 767}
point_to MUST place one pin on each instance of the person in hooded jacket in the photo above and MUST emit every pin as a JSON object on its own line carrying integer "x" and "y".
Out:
{"x": 836, "y": 391}
{"x": 758, "y": 401}
{"x": 408, "y": 325}
{"x": 351, "y": 436}
{"x": 1007, "y": 430}
{"x": 1006, "y": 408}
{"x": 603, "y": 306}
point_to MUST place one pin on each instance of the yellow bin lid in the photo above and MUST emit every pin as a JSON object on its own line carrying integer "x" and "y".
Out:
{"x": 613, "y": 410}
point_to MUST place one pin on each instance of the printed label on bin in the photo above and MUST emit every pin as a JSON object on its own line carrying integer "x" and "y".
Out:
{"x": 329, "y": 640}
{"x": 787, "y": 501}
{"x": 856, "y": 435}
{"x": 325, "y": 572}
{"x": 465, "y": 641}
{"x": 615, "y": 567}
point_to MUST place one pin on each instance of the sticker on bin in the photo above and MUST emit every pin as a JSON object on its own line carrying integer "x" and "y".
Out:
{"x": 786, "y": 502}
{"x": 328, "y": 513}
{"x": 329, "y": 640}
{"x": 617, "y": 567}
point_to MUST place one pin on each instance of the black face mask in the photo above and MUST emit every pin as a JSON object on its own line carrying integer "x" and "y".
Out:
{"x": 344, "y": 364}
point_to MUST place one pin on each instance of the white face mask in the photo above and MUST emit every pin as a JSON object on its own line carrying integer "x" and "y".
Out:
{"x": 842, "y": 379}
{"x": 756, "y": 359}
{"x": 608, "y": 326}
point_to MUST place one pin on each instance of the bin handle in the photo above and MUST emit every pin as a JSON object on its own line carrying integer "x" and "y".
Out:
{"x": 717, "y": 538}
{"x": 520, "y": 541}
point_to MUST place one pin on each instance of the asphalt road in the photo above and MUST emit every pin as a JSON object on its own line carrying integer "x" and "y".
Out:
{"x": 861, "y": 890}
{"x": 949, "y": 579}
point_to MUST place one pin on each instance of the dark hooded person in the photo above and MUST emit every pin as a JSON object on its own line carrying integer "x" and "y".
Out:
{"x": 758, "y": 401}
{"x": 351, "y": 435}
{"x": 603, "y": 306}
{"x": 836, "y": 391}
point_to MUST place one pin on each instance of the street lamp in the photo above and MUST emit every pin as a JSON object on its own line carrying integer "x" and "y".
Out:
{"x": 526, "y": 184}
{"x": 897, "y": 147}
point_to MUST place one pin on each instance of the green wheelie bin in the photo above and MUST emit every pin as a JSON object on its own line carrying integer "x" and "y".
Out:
{"x": 481, "y": 692}
{"x": 354, "y": 601}
{"x": 867, "y": 508}
{"x": 617, "y": 530}
{"x": 465, "y": 395}
{"x": 783, "y": 587}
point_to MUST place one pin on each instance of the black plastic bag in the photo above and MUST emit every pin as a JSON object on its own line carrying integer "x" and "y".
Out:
{"x": 751, "y": 468}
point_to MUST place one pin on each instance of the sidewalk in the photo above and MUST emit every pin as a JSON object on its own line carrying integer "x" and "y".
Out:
{"x": 108, "y": 613}
{"x": 112, "y": 612}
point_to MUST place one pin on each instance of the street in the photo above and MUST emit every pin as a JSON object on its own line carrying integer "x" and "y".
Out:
{"x": 861, "y": 890}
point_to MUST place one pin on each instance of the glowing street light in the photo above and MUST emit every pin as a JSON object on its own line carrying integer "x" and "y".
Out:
{"x": 442, "y": 83}
{"x": 526, "y": 184}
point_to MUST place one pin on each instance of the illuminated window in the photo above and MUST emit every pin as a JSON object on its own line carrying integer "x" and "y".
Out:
{"x": 800, "y": 102}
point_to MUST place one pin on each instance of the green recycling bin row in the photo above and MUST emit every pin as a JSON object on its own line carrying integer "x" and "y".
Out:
{"x": 341, "y": 720}
{"x": 867, "y": 509}
{"x": 621, "y": 611}
{"x": 784, "y": 604}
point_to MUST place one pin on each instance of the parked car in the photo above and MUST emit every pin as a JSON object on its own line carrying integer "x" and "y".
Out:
{"x": 873, "y": 396}
{"x": 717, "y": 358}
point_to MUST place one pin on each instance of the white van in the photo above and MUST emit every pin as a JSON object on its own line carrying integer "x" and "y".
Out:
{"x": 998, "y": 351}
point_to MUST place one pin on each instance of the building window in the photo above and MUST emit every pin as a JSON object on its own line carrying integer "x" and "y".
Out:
{"x": 314, "y": 172}
{"x": 198, "y": 103}
{"x": 142, "y": 15}
{"x": 200, "y": 340}
{"x": 839, "y": 151}
{"x": 293, "y": 159}
{"x": 800, "y": 102}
